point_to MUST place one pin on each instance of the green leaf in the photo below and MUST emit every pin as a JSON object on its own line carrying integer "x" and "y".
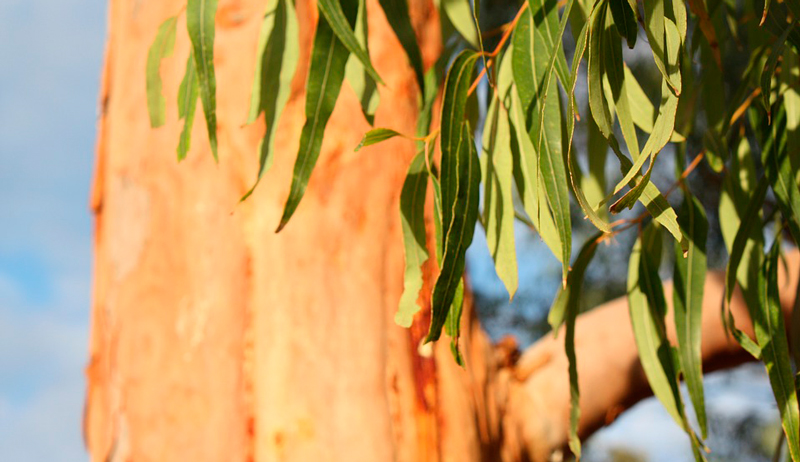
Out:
{"x": 412, "y": 213}
{"x": 527, "y": 177}
{"x": 453, "y": 324}
{"x": 325, "y": 77}
{"x": 652, "y": 199}
{"x": 359, "y": 79}
{"x": 781, "y": 175}
{"x": 662, "y": 131}
{"x": 187, "y": 105}
{"x": 655, "y": 28}
{"x": 614, "y": 68}
{"x": 772, "y": 62}
{"x": 625, "y": 20}
{"x": 687, "y": 297}
{"x": 647, "y": 310}
{"x": 732, "y": 206}
{"x": 771, "y": 336}
{"x": 200, "y": 16}
{"x": 566, "y": 308}
{"x": 375, "y": 136}
{"x": 642, "y": 110}
{"x": 342, "y": 26}
{"x": 597, "y": 151}
{"x": 498, "y": 202}
{"x": 750, "y": 220}
{"x": 530, "y": 62}
{"x": 397, "y": 14}
{"x": 568, "y": 297}
{"x": 162, "y": 47}
{"x": 460, "y": 14}
{"x": 457, "y": 84}
{"x": 458, "y": 236}
{"x": 278, "y": 52}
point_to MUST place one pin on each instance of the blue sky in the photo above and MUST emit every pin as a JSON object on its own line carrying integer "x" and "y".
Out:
{"x": 51, "y": 53}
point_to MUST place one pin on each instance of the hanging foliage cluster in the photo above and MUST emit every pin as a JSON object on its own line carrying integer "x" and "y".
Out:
{"x": 527, "y": 167}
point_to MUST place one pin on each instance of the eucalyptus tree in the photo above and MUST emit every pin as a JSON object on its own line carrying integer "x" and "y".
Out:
{"x": 722, "y": 95}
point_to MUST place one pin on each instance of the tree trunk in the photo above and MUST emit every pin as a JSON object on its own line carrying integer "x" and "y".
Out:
{"x": 215, "y": 339}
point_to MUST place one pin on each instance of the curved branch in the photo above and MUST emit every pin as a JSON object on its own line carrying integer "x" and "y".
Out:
{"x": 610, "y": 375}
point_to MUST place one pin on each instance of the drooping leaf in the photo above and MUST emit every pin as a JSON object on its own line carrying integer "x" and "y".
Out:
{"x": 452, "y": 325}
{"x": 597, "y": 151}
{"x": 568, "y": 297}
{"x": 732, "y": 207}
{"x": 772, "y": 62}
{"x": 457, "y": 84}
{"x": 771, "y": 336}
{"x": 200, "y": 15}
{"x": 412, "y": 213}
{"x": 698, "y": 7}
{"x": 643, "y": 112}
{"x": 162, "y": 47}
{"x": 647, "y": 310}
{"x": 750, "y": 220}
{"x": 498, "y": 201}
{"x": 458, "y": 235}
{"x": 460, "y": 14}
{"x": 625, "y": 20}
{"x": 187, "y": 106}
{"x": 342, "y": 25}
{"x": 360, "y": 80}
{"x": 652, "y": 199}
{"x": 565, "y": 309}
{"x": 781, "y": 175}
{"x": 689, "y": 279}
{"x": 278, "y": 52}
{"x": 530, "y": 62}
{"x": 655, "y": 27}
{"x": 325, "y": 77}
{"x": 528, "y": 179}
{"x": 397, "y": 15}
{"x": 375, "y": 136}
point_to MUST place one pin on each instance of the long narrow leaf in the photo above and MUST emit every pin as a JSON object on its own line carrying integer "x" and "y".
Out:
{"x": 412, "y": 213}
{"x": 687, "y": 297}
{"x": 459, "y": 235}
{"x": 278, "y": 53}
{"x": 187, "y": 106}
{"x": 200, "y": 16}
{"x": 325, "y": 77}
{"x": 771, "y": 336}
{"x": 342, "y": 26}
{"x": 162, "y": 47}
{"x": 397, "y": 15}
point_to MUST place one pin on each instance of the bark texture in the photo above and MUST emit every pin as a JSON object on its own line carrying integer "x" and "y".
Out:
{"x": 215, "y": 339}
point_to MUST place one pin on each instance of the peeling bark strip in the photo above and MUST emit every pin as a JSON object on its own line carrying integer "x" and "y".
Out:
{"x": 215, "y": 339}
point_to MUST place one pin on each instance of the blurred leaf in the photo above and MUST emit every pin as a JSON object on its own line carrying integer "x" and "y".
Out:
{"x": 771, "y": 336}
{"x": 412, "y": 213}
{"x": 625, "y": 20}
{"x": 200, "y": 16}
{"x": 772, "y": 62}
{"x": 162, "y": 47}
{"x": 397, "y": 14}
{"x": 375, "y": 136}
{"x": 360, "y": 80}
{"x": 460, "y": 14}
{"x": 187, "y": 105}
